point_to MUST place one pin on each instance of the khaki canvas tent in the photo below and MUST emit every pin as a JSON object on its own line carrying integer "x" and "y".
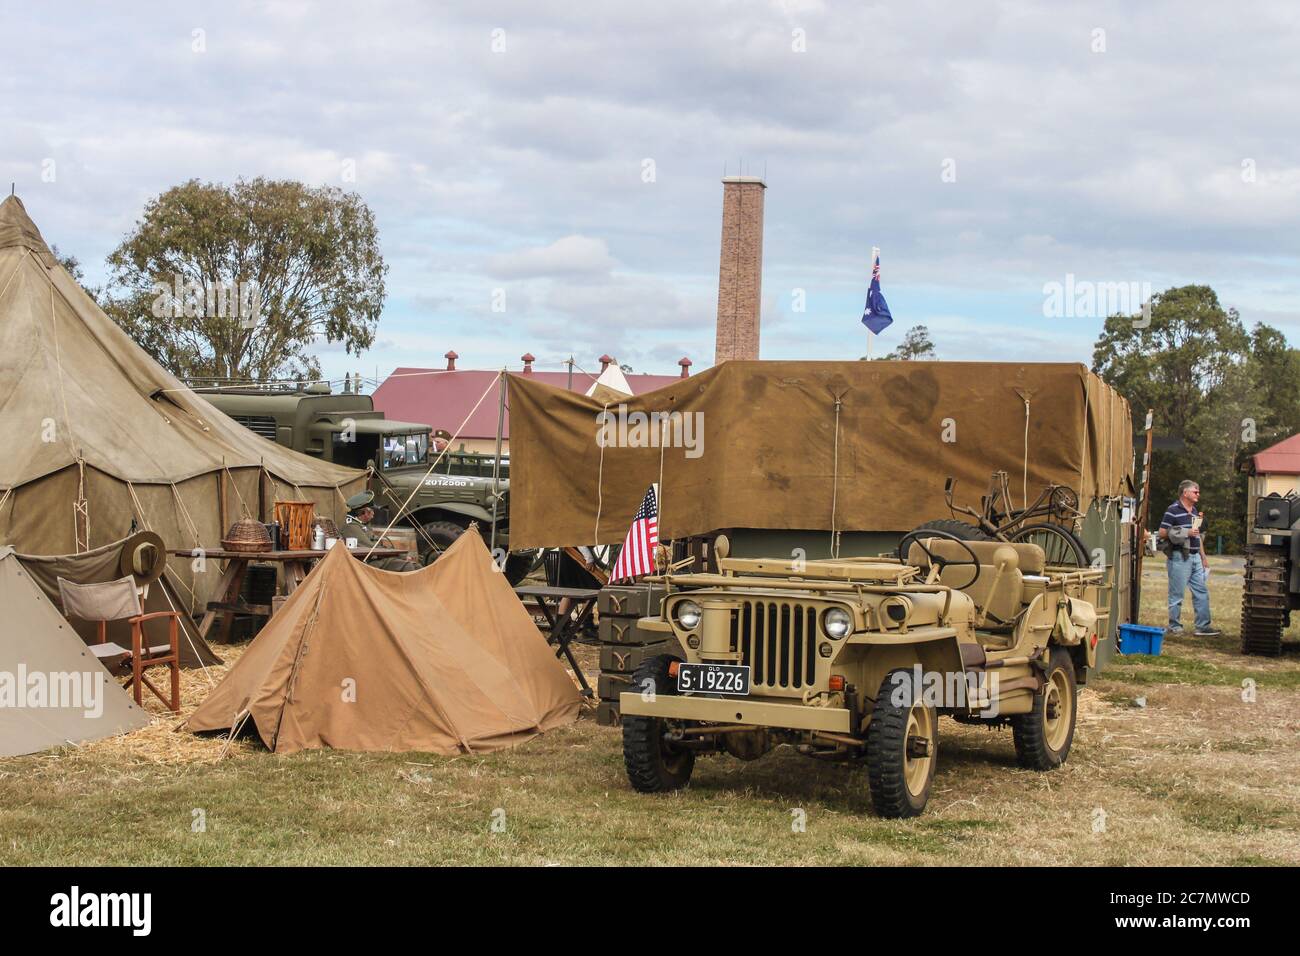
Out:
{"x": 95, "y": 433}
{"x": 444, "y": 659}
{"x": 52, "y": 689}
{"x": 105, "y": 564}
{"x": 848, "y": 446}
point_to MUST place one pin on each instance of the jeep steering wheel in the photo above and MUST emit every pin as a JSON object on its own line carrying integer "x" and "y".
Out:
{"x": 921, "y": 535}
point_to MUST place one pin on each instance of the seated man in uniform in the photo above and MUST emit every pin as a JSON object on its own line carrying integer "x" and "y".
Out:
{"x": 360, "y": 513}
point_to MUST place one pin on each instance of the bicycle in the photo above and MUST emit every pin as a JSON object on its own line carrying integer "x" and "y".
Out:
{"x": 999, "y": 519}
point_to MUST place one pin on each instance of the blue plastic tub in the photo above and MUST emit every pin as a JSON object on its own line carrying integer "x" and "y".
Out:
{"x": 1140, "y": 639}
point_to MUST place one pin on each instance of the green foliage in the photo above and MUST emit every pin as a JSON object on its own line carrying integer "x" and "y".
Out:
{"x": 72, "y": 265}
{"x": 241, "y": 281}
{"x": 916, "y": 344}
{"x": 1224, "y": 391}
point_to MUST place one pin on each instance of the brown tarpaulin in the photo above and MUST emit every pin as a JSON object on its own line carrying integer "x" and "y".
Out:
{"x": 768, "y": 453}
{"x": 104, "y": 564}
{"x": 444, "y": 659}
{"x": 86, "y": 414}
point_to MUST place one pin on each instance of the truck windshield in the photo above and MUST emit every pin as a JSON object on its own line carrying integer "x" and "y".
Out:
{"x": 402, "y": 450}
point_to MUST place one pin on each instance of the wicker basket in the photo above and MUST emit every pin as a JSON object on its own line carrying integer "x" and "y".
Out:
{"x": 248, "y": 535}
{"x": 296, "y": 519}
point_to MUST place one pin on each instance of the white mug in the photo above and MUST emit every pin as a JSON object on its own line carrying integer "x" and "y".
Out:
{"x": 352, "y": 542}
{"x": 330, "y": 542}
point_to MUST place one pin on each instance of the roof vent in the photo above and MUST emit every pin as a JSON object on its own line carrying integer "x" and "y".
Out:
{"x": 451, "y": 360}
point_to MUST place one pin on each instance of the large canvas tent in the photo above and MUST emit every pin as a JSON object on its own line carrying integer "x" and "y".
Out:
{"x": 105, "y": 564}
{"x": 53, "y": 691}
{"x": 848, "y": 446}
{"x": 96, "y": 434}
{"x": 444, "y": 659}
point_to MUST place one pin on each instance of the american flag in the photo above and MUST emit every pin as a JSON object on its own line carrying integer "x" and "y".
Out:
{"x": 638, "y": 554}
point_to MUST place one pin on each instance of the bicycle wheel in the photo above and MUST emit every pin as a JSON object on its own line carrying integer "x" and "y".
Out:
{"x": 1061, "y": 546}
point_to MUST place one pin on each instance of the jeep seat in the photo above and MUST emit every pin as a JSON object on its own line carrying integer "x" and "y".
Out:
{"x": 999, "y": 596}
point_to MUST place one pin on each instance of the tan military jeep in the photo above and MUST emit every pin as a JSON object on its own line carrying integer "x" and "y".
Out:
{"x": 858, "y": 658}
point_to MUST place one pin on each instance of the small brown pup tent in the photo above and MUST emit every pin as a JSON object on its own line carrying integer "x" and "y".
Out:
{"x": 106, "y": 564}
{"x": 53, "y": 691}
{"x": 97, "y": 434}
{"x": 444, "y": 660}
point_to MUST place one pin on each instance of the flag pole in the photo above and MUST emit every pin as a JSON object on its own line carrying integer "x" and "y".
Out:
{"x": 875, "y": 252}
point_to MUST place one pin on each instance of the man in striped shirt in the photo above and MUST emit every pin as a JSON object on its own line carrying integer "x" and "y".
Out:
{"x": 1188, "y": 564}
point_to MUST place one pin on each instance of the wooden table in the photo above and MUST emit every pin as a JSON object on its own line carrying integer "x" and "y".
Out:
{"x": 296, "y": 566}
{"x": 564, "y": 627}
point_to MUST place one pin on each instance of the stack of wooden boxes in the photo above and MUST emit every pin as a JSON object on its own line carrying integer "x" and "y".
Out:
{"x": 623, "y": 646}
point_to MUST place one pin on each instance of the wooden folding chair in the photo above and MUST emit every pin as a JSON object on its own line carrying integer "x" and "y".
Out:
{"x": 120, "y": 600}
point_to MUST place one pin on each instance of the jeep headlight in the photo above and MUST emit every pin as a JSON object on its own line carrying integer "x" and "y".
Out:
{"x": 688, "y": 615}
{"x": 837, "y": 623}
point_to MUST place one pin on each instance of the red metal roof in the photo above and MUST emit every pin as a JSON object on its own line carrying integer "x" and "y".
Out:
{"x": 1281, "y": 459}
{"x": 441, "y": 398}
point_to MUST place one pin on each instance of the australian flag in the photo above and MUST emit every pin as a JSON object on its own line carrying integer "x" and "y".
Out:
{"x": 876, "y": 316}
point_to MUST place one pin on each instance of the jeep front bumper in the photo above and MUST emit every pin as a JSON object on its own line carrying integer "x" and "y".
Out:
{"x": 736, "y": 710}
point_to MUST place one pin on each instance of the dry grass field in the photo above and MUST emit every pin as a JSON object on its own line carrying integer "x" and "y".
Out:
{"x": 1198, "y": 775}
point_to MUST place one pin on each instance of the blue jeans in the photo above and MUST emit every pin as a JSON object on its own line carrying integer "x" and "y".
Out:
{"x": 1185, "y": 570}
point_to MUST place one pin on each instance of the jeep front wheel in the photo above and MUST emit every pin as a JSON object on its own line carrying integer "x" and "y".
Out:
{"x": 1044, "y": 735}
{"x": 902, "y": 747}
{"x": 653, "y": 764}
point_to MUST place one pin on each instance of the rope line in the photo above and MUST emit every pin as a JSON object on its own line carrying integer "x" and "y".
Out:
{"x": 420, "y": 484}
{"x": 600, "y": 479}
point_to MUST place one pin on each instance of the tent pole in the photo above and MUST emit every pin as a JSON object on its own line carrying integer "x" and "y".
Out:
{"x": 496, "y": 465}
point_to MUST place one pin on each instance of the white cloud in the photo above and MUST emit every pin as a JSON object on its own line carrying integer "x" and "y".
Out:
{"x": 570, "y": 256}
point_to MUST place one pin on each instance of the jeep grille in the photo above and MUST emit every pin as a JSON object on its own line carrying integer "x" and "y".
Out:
{"x": 778, "y": 640}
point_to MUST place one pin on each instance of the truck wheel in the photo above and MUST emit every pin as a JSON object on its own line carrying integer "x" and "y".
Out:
{"x": 902, "y": 746}
{"x": 1043, "y": 736}
{"x": 653, "y": 765}
{"x": 444, "y": 535}
{"x": 518, "y": 564}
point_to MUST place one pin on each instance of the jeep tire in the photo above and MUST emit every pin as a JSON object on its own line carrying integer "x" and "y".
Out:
{"x": 902, "y": 747}
{"x": 1044, "y": 735}
{"x": 653, "y": 765}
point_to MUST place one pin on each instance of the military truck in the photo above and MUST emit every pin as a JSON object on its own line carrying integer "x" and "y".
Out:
{"x": 1272, "y": 580}
{"x": 857, "y": 658}
{"x": 344, "y": 428}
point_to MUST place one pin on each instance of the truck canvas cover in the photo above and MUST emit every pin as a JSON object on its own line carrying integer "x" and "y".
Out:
{"x": 848, "y": 446}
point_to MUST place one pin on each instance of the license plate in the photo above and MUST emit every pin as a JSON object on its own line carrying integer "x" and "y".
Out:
{"x": 729, "y": 679}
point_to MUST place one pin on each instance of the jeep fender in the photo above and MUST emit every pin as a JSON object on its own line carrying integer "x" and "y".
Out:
{"x": 936, "y": 649}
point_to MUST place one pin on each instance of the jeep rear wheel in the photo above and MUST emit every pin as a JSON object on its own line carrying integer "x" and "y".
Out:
{"x": 902, "y": 747}
{"x": 1044, "y": 735}
{"x": 653, "y": 764}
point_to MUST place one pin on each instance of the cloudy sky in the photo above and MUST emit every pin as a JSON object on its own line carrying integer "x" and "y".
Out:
{"x": 988, "y": 149}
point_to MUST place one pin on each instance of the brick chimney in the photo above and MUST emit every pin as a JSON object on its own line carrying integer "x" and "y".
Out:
{"x": 740, "y": 272}
{"x": 605, "y": 362}
{"x": 685, "y": 363}
{"x": 451, "y": 361}
{"x": 528, "y": 360}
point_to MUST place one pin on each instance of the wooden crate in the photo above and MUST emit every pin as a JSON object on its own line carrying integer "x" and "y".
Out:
{"x": 615, "y": 659}
{"x": 296, "y": 519}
